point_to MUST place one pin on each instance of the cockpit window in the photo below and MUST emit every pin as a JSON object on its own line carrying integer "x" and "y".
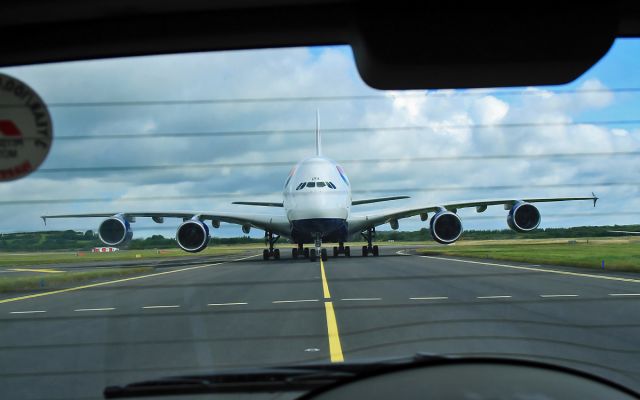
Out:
{"x": 316, "y": 184}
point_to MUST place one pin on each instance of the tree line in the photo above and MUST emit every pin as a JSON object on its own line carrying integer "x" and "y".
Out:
{"x": 82, "y": 241}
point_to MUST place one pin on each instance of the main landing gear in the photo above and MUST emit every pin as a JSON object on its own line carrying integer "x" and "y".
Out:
{"x": 271, "y": 240}
{"x": 369, "y": 248}
{"x": 312, "y": 254}
{"x": 341, "y": 249}
{"x": 317, "y": 251}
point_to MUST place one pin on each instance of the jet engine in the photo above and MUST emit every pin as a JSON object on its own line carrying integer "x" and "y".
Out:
{"x": 446, "y": 227}
{"x": 115, "y": 231}
{"x": 193, "y": 236}
{"x": 523, "y": 217}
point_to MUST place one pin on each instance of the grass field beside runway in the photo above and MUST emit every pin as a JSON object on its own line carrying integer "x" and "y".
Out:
{"x": 33, "y": 278}
{"x": 48, "y": 281}
{"x": 619, "y": 254}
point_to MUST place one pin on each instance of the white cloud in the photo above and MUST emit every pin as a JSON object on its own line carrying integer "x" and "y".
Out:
{"x": 446, "y": 119}
{"x": 489, "y": 110}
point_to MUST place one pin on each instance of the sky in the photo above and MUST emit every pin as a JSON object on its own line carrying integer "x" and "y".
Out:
{"x": 461, "y": 127}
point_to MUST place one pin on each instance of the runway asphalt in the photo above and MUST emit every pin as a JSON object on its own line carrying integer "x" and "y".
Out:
{"x": 183, "y": 319}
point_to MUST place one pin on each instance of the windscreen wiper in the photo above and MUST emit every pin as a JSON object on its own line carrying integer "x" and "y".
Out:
{"x": 297, "y": 378}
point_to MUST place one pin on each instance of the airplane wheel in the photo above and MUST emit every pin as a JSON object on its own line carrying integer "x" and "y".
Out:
{"x": 364, "y": 251}
{"x": 375, "y": 251}
{"x": 323, "y": 254}
{"x": 294, "y": 253}
{"x": 276, "y": 254}
{"x": 265, "y": 254}
{"x": 312, "y": 255}
{"x": 306, "y": 252}
{"x": 347, "y": 251}
{"x": 335, "y": 251}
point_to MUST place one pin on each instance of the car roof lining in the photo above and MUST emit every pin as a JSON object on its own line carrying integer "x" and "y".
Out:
{"x": 412, "y": 45}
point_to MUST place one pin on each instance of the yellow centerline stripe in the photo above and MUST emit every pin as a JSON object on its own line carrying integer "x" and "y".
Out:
{"x": 325, "y": 285}
{"x": 31, "y": 296}
{"x": 335, "y": 348}
{"x": 48, "y": 271}
{"x": 551, "y": 271}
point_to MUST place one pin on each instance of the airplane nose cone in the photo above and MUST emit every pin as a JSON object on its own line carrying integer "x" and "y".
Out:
{"x": 316, "y": 205}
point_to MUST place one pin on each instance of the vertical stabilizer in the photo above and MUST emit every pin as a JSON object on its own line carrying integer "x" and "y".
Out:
{"x": 318, "y": 142}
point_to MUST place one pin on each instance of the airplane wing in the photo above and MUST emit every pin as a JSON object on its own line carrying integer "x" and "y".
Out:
{"x": 627, "y": 232}
{"x": 377, "y": 200}
{"x": 274, "y": 222}
{"x": 359, "y": 221}
{"x": 258, "y": 203}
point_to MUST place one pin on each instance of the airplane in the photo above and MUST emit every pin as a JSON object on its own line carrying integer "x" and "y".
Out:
{"x": 316, "y": 209}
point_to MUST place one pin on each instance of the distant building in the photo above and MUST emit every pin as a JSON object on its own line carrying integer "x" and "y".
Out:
{"x": 104, "y": 249}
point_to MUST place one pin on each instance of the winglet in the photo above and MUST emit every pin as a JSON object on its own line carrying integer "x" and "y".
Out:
{"x": 595, "y": 198}
{"x": 318, "y": 142}
{"x": 44, "y": 219}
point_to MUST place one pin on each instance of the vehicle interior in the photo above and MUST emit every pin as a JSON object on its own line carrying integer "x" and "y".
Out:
{"x": 402, "y": 45}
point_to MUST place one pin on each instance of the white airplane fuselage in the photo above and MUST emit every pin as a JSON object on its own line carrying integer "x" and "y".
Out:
{"x": 317, "y": 201}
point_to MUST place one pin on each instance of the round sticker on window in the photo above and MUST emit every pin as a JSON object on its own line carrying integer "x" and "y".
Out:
{"x": 25, "y": 129}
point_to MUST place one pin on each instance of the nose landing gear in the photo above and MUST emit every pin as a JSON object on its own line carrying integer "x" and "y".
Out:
{"x": 318, "y": 250}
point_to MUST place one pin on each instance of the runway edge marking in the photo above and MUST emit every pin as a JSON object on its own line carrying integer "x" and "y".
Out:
{"x": 76, "y": 288}
{"x": 335, "y": 347}
{"x": 551, "y": 271}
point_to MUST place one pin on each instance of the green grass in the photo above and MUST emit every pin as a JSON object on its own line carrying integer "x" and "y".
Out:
{"x": 24, "y": 258}
{"x": 39, "y": 281}
{"x": 65, "y": 279}
{"x": 620, "y": 255}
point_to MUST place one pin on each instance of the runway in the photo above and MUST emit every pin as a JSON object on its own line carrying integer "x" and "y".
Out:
{"x": 225, "y": 313}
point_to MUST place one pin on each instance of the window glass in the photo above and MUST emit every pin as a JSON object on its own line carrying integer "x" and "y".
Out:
{"x": 148, "y": 135}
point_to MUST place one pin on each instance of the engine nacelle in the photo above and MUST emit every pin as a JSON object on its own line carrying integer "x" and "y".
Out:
{"x": 523, "y": 217}
{"x": 115, "y": 231}
{"x": 446, "y": 227}
{"x": 193, "y": 236}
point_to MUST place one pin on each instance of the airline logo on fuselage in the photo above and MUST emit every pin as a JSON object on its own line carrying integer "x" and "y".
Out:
{"x": 343, "y": 175}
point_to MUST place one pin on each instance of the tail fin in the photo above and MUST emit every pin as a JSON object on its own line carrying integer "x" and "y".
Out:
{"x": 318, "y": 142}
